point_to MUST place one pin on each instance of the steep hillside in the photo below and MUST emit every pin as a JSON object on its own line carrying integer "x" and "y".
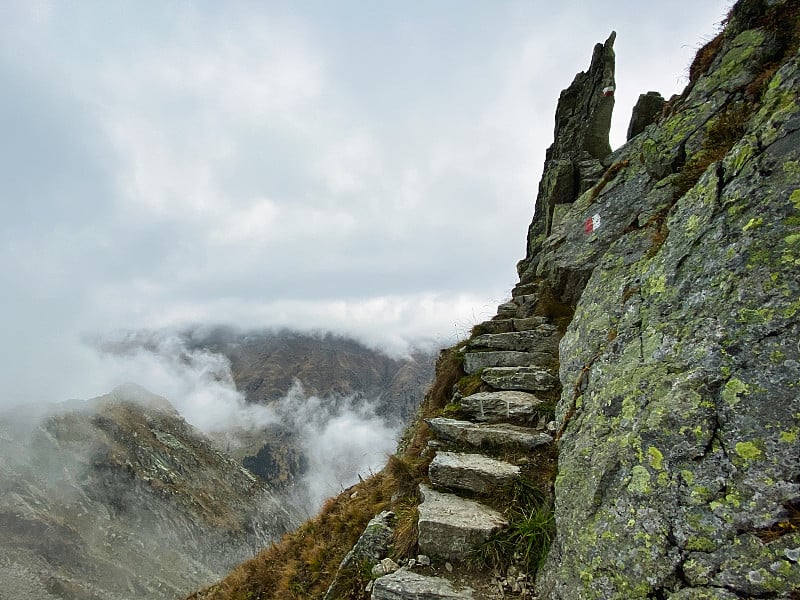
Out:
{"x": 656, "y": 322}
{"x": 119, "y": 497}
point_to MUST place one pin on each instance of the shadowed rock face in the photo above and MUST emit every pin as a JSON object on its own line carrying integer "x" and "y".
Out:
{"x": 119, "y": 497}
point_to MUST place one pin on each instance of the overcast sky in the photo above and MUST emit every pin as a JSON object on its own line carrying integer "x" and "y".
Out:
{"x": 367, "y": 167}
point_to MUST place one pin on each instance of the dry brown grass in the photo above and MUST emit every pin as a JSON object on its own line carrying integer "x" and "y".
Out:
{"x": 705, "y": 57}
{"x": 610, "y": 174}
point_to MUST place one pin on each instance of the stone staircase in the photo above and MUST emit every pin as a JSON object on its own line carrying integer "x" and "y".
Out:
{"x": 516, "y": 355}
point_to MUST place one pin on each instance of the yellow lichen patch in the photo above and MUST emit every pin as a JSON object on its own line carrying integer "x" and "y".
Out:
{"x": 733, "y": 390}
{"x": 640, "y": 480}
{"x": 656, "y": 458}
{"x": 754, "y": 223}
{"x": 795, "y": 198}
{"x": 749, "y": 451}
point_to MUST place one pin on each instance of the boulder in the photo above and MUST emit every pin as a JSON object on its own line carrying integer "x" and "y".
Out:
{"x": 471, "y": 472}
{"x": 502, "y": 407}
{"x": 450, "y": 527}
{"x": 407, "y": 585}
{"x": 484, "y": 434}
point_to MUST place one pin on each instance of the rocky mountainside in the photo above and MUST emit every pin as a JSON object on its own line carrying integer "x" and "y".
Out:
{"x": 117, "y": 498}
{"x": 627, "y": 425}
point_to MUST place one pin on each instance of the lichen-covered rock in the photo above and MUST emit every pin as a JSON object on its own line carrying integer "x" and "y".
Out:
{"x": 679, "y": 457}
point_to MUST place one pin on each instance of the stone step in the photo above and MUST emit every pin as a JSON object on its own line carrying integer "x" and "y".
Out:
{"x": 407, "y": 585}
{"x": 522, "y": 289}
{"x": 529, "y": 379}
{"x": 519, "y": 306}
{"x": 502, "y": 407}
{"x": 509, "y": 325}
{"x": 475, "y": 361}
{"x": 450, "y": 527}
{"x": 543, "y": 338}
{"x": 484, "y": 434}
{"x": 471, "y": 472}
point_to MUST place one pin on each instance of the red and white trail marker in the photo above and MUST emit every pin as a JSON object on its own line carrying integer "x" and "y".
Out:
{"x": 592, "y": 223}
{"x": 609, "y": 90}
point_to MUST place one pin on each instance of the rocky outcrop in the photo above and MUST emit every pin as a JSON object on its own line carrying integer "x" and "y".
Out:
{"x": 647, "y": 109}
{"x": 373, "y": 544}
{"x": 573, "y": 161}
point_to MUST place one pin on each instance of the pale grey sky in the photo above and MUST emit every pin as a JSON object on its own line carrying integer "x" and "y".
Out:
{"x": 364, "y": 167}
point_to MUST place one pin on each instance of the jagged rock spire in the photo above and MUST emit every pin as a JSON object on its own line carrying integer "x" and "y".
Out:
{"x": 573, "y": 161}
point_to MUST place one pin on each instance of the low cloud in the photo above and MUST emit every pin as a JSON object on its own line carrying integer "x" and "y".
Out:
{"x": 341, "y": 437}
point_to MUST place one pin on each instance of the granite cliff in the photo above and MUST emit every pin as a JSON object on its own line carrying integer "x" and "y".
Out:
{"x": 627, "y": 425}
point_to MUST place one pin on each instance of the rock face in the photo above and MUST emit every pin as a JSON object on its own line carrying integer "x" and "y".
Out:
{"x": 679, "y": 451}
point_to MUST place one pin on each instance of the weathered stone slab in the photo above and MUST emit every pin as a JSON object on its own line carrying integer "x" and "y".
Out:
{"x": 526, "y": 323}
{"x": 531, "y": 379}
{"x": 407, "y": 585}
{"x": 522, "y": 289}
{"x": 451, "y": 526}
{"x": 543, "y": 338}
{"x": 480, "y": 434}
{"x": 501, "y": 407}
{"x": 472, "y": 472}
{"x": 494, "y": 326}
{"x": 475, "y": 361}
